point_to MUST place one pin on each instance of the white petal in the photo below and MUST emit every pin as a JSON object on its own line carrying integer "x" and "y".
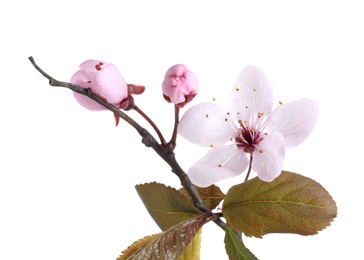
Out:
{"x": 252, "y": 93}
{"x": 204, "y": 124}
{"x": 295, "y": 120}
{"x": 268, "y": 159}
{"x": 218, "y": 164}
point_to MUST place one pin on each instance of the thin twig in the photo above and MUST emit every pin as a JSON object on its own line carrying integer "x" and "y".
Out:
{"x": 156, "y": 129}
{"x": 167, "y": 155}
{"x": 172, "y": 142}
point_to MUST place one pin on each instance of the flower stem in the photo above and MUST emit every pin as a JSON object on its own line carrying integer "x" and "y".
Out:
{"x": 250, "y": 167}
{"x": 172, "y": 143}
{"x": 150, "y": 121}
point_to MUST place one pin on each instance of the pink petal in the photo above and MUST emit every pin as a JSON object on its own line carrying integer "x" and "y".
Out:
{"x": 252, "y": 93}
{"x": 179, "y": 83}
{"x": 218, "y": 164}
{"x": 110, "y": 84}
{"x": 295, "y": 120}
{"x": 91, "y": 65}
{"x": 83, "y": 79}
{"x": 268, "y": 158}
{"x": 204, "y": 124}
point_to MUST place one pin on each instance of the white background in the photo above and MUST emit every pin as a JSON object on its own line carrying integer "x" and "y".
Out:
{"x": 67, "y": 175}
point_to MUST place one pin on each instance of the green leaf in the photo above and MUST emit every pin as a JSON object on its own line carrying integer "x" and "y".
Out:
{"x": 211, "y": 196}
{"x": 165, "y": 204}
{"x": 169, "y": 244}
{"x": 235, "y": 248}
{"x": 291, "y": 203}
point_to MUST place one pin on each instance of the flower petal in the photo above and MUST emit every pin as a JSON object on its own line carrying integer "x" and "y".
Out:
{"x": 218, "y": 164}
{"x": 91, "y": 65}
{"x": 268, "y": 159}
{"x": 179, "y": 83}
{"x": 83, "y": 79}
{"x": 252, "y": 94}
{"x": 204, "y": 124}
{"x": 110, "y": 84}
{"x": 295, "y": 120}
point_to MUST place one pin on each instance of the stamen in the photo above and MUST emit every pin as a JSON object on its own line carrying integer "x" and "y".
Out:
{"x": 207, "y": 115}
{"x": 211, "y": 145}
{"x": 260, "y": 151}
{"x": 219, "y": 165}
{"x": 237, "y": 89}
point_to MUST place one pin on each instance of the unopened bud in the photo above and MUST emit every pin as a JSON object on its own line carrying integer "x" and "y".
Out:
{"x": 180, "y": 85}
{"x": 104, "y": 79}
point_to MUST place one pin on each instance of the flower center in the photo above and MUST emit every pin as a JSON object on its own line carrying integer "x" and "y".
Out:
{"x": 248, "y": 138}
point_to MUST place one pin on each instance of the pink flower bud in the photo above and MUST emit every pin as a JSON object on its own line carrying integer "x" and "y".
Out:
{"x": 104, "y": 79}
{"x": 180, "y": 85}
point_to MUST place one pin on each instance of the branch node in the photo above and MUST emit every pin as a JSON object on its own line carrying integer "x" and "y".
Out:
{"x": 146, "y": 142}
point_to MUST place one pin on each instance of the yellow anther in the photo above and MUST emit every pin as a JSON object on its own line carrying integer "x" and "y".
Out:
{"x": 260, "y": 151}
{"x": 238, "y": 113}
{"x": 237, "y": 89}
{"x": 214, "y": 99}
{"x": 211, "y": 145}
{"x": 265, "y": 133}
{"x": 207, "y": 115}
{"x": 240, "y": 121}
{"x": 281, "y": 103}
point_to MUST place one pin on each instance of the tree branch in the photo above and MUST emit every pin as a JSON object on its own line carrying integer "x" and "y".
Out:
{"x": 167, "y": 155}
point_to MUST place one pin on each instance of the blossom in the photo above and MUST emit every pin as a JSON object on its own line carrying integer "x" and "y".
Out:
{"x": 180, "y": 85}
{"x": 104, "y": 79}
{"x": 247, "y": 133}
